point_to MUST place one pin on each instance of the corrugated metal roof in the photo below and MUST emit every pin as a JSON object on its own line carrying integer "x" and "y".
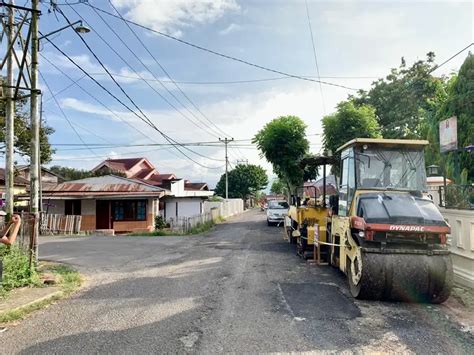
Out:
{"x": 107, "y": 183}
{"x": 18, "y": 180}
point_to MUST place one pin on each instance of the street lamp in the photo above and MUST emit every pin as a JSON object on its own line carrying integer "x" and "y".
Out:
{"x": 79, "y": 29}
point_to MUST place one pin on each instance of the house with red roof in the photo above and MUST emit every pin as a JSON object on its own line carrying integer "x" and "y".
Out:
{"x": 185, "y": 198}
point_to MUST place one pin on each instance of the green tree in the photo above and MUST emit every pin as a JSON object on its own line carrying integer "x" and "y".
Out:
{"x": 76, "y": 174}
{"x": 283, "y": 143}
{"x": 244, "y": 181}
{"x": 404, "y": 98}
{"x": 349, "y": 122}
{"x": 22, "y": 131}
{"x": 459, "y": 103}
{"x": 279, "y": 187}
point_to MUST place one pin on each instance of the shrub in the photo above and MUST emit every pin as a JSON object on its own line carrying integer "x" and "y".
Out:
{"x": 16, "y": 270}
{"x": 160, "y": 223}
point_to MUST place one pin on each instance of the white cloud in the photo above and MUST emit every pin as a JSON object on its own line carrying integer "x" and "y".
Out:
{"x": 229, "y": 29}
{"x": 367, "y": 23}
{"x": 172, "y": 16}
{"x": 241, "y": 116}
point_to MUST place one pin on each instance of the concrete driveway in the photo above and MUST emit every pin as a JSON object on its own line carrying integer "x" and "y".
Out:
{"x": 239, "y": 288}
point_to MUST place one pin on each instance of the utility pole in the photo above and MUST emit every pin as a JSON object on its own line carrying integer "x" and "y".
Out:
{"x": 35, "y": 140}
{"x": 9, "y": 120}
{"x": 226, "y": 142}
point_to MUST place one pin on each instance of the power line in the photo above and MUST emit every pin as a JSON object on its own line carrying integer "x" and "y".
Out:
{"x": 141, "y": 77}
{"x": 144, "y": 117}
{"x": 165, "y": 71}
{"x": 450, "y": 58}
{"x": 75, "y": 82}
{"x": 315, "y": 57}
{"x": 64, "y": 89}
{"x": 225, "y": 82}
{"x": 221, "y": 54}
{"x": 129, "y": 109}
{"x": 63, "y": 113}
{"x": 83, "y": 128}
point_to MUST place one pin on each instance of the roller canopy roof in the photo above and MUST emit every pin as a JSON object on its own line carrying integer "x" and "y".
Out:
{"x": 385, "y": 142}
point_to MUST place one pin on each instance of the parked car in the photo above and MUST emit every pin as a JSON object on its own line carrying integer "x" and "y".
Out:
{"x": 276, "y": 212}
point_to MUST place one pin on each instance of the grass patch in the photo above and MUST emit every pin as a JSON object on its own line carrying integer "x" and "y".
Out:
{"x": 16, "y": 270}
{"x": 201, "y": 228}
{"x": 21, "y": 313}
{"x": 68, "y": 279}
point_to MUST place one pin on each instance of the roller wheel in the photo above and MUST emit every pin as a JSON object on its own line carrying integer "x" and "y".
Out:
{"x": 401, "y": 277}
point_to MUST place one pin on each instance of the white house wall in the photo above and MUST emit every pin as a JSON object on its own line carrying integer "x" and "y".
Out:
{"x": 187, "y": 207}
{"x": 461, "y": 242}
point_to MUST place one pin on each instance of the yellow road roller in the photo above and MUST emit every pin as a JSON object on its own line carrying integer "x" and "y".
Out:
{"x": 383, "y": 231}
{"x": 309, "y": 210}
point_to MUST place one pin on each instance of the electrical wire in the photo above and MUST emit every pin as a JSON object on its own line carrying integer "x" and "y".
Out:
{"x": 165, "y": 71}
{"x": 186, "y": 82}
{"x": 143, "y": 116}
{"x": 315, "y": 57}
{"x": 96, "y": 99}
{"x": 64, "y": 89}
{"x": 221, "y": 54}
{"x": 63, "y": 113}
{"x": 83, "y": 128}
{"x": 450, "y": 58}
{"x": 141, "y": 77}
{"x": 130, "y": 109}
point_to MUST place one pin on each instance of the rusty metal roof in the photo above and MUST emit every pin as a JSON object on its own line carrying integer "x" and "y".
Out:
{"x": 108, "y": 184}
{"x": 18, "y": 180}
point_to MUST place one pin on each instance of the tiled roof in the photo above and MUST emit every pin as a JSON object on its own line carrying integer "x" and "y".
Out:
{"x": 120, "y": 164}
{"x": 157, "y": 178}
{"x": 142, "y": 174}
{"x": 196, "y": 186}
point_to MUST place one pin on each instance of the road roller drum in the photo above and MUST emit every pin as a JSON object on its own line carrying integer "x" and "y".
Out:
{"x": 401, "y": 277}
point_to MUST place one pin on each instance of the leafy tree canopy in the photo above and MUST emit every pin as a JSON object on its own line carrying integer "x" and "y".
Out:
{"x": 349, "y": 122}
{"x": 22, "y": 132}
{"x": 244, "y": 181}
{"x": 279, "y": 187}
{"x": 77, "y": 174}
{"x": 283, "y": 143}
{"x": 459, "y": 102}
{"x": 403, "y": 99}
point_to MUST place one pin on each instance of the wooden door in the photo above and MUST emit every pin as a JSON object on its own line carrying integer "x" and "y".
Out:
{"x": 103, "y": 215}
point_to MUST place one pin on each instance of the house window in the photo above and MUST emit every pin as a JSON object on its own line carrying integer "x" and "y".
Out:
{"x": 129, "y": 210}
{"x": 72, "y": 207}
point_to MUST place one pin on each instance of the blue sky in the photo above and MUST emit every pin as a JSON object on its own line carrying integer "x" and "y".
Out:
{"x": 352, "y": 39}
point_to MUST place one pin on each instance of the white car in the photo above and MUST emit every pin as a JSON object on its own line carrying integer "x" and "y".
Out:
{"x": 276, "y": 212}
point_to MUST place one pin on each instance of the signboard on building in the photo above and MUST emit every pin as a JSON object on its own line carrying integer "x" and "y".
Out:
{"x": 448, "y": 135}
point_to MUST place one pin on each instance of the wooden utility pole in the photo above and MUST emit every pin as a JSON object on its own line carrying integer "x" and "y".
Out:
{"x": 226, "y": 142}
{"x": 9, "y": 119}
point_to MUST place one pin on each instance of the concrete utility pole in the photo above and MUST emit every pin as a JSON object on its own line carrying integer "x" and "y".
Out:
{"x": 226, "y": 142}
{"x": 35, "y": 116}
{"x": 9, "y": 120}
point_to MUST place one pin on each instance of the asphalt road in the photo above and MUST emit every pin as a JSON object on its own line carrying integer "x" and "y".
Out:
{"x": 239, "y": 288}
